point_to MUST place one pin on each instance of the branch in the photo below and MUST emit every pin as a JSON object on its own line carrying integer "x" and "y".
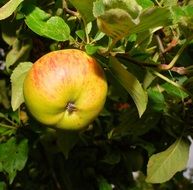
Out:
{"x": 140, "y": 63}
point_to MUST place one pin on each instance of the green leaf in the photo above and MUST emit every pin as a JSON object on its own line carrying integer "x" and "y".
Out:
{"x": 8, "y": 9}
{"x": 88, "y": 28}
{"x": 81, "y": 34}
{"x": 2, "y": 186}
{"x": 19, "y": 52}
{"x": 162, "y": 166}
{"x": 103, "y": 184}
{"x": 66, "y": 140}
{"x": 184, "y": 17}
{"x": 112, "y": 157}
{"x": 17, "y": 79}
{"x": 156, "y": 99}
{"x": 44, "y": 24}
{"x": 130, "y": 83}
{"x": 149, "y": 78}
{"x": 145, "y": 3}
{"x": 131, "y": 124}
{"x": 85, "y": 8}
{"x": 99, "y": 35}
{"x": 91, "y": 49}
{"x": 180, "y": 13}
{"x": 174, "y": 91}
{"x": 13, "y": 156}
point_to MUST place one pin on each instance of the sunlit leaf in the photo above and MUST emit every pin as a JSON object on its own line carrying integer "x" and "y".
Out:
{"x": 184, "y": 17}
{"x": 8, "y": 9}
{"x": 99, "y": 35}
{"x": 130, "y": 83}
{"x": 91, "y": 49}
{"x": 170, "y": 2}
{"x": 174, "y": 91}
{"x": 44, "y": 24}
{"x": 162, "y": 166}
{"x": 17, "y": 79}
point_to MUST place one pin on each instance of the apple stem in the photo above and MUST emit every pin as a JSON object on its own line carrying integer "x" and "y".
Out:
{"x": 70, "y": 107}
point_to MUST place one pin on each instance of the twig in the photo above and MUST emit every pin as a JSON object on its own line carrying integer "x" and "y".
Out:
{"x": 65, "y": 7}
{"x": 171, "y": 82}
{"x": 161, "y": 47}
{"x": 140, "y": 63}
{"x": 74, "y": 13}
{"x": 172, "y": 44}
{"x": 7, "y": 126}
{"x": 180, "y": 70}
{"x": 56, "y": 180}
{"x": 174, "y": 60}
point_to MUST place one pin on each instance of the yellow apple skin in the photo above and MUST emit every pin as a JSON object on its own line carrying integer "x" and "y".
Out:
{"x": 65, "y": 89}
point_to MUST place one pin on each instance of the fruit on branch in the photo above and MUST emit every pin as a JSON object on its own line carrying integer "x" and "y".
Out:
{"x": 65, "y": 89}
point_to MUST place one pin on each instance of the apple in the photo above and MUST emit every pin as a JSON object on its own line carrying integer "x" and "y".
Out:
{"x": 65, "y": 89}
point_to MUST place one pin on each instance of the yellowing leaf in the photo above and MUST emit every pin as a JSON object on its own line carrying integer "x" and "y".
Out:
{"x": 121, "y": 18}
{"x": 131, "y": 7}
{"x": 130, "y": 83}
{"x": 116, "y": 18}
{"x": 7, "y": 9}
{"x": 115, "y": 23}
{"x": 162, "y": 166}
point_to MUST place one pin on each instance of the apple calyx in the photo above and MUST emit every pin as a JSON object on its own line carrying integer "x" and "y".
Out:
{"x": 70, "y": 107}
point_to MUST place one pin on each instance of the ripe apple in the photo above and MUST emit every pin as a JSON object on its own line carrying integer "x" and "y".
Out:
{"x": 65, "y": 89}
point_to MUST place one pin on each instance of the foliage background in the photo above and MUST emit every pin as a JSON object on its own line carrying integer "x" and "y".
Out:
{"x": 145, "y": 48}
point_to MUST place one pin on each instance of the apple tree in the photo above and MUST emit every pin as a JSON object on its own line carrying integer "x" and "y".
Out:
{"x": 141, "y": 138}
